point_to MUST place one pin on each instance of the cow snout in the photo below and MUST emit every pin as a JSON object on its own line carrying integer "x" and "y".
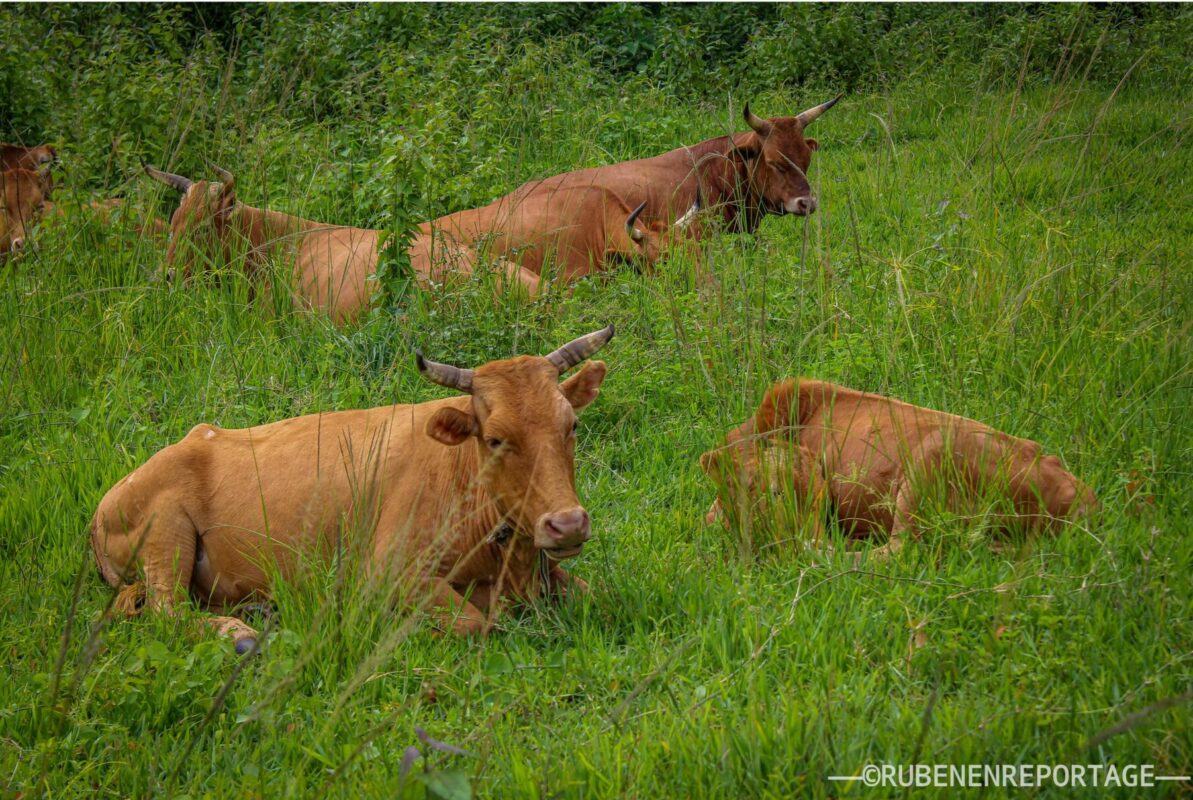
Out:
{"x": 565, "y": 530}
{"x": 801, "y": 206}
{"x": 17, "y": 245}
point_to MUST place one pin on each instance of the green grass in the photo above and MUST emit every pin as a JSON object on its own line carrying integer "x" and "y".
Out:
{"x": 1022, "y": 258}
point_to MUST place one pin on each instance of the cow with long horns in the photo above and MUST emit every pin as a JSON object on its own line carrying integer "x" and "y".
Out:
{"x": 469, "y": 499}
{"x": 744, "y": 176}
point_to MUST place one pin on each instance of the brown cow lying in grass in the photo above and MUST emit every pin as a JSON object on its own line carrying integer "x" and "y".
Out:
{"x": 880, "y": 462}
{"x": 743, "y": 177}
{"x": 472, "y": 499}
{"x": 331, "y": 263}
{"x": 582, "y": 229}
{"x": 22, "y": 201}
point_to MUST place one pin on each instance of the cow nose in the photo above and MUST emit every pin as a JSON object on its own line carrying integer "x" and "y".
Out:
{"x": 569, "y": 528}
{"x": 803, "y": 206}
{"x": 17, "y": 245}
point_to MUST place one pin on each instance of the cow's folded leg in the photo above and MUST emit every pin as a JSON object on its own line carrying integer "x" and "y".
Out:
{"x": 168, "y": 558}
{"x": 242, "y": 635}
{"x": 169, "y": 561}
{"x": 451, "y": 611}
{"x": 527, "y": 280}
{"x": 561, "y": 585}
{"x": 906, "y": 502}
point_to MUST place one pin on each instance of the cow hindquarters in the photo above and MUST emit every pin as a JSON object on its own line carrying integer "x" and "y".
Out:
{"x": 145, "y": 545}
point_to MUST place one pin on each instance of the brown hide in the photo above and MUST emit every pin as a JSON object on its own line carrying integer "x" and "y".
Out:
{"x": 23, "y": 201}
{"x": 212, "y": 514}
{"x": 882, "y": 458}
{"x": 14, "y": 156}
{"x": 580, "y": 229}
{"x": 39, "y": 159}
{"x": 331, "y": 263}
{"x": 745, "y": 176}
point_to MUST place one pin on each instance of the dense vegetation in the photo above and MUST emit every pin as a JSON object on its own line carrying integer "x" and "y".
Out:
{"x": 1004, "y": 232}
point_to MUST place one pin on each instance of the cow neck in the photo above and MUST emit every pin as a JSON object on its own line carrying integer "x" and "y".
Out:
{"x": 481, "y": 523}
{"x": 724, "y": 182}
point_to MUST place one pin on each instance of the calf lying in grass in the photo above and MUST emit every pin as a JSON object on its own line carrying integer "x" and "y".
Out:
{"x": 880, "y": 462}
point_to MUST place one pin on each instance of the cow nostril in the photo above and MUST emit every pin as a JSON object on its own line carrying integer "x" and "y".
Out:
{"x": 18, "y": 244}
{"x": 570, "y": 524}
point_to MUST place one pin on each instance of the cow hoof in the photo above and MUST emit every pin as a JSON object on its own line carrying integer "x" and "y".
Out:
{"x": 243, "y": 646}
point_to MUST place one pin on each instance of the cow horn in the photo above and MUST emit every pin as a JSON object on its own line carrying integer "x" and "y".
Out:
{"x": 630, "y": 228}
{"x": 226, "y": 178}
{"x": 757, "y": 123}
{"x": 577, "y": 350}
{"x": 689, "y": 215}
{"x": 169, "y": 178}
{"x": 444, "y": 374}
{"x": 806, "y": 118}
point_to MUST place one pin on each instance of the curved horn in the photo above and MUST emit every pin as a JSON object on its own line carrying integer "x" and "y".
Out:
{"x": 226, "y": 178}
{"x": 444, "y": 374}
{"x": 757, "y": 123}
{"x": 691, "y": 213}
{"x": 169, "y": 178}
{"x": 809, "y": 116}
{"x": 630, "y": 229}
{"x": 577, "y": 350}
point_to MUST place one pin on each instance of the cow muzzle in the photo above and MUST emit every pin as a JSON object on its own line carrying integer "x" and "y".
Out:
{"x": 17, "y": 245}
{"x": 562, "y": 534}
{"x": 800, "y": 206}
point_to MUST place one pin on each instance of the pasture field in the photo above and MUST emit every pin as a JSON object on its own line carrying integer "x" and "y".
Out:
{"x": 1013, "y": 246}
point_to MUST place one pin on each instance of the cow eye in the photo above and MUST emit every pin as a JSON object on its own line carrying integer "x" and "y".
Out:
{"x": 493, "y": 443}
{"x": 575, "y": 425}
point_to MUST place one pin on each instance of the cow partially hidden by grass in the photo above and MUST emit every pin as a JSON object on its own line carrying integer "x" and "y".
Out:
{"x": 329, "y": 265}
{"x": 471, "y": 500}
{"x": 880, "y": 463}
{"x": 742, "y": 177}
{"x": 16, "y": 156}
{"x": 23, "y": 199}
{"x": 580, "y": 230}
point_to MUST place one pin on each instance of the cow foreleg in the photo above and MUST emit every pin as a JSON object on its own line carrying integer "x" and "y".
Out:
{"x": 452, "y": 612}
{"x": 562, "y": 585}
{"x": 520, "y": 279}
{"x": 906, "y": 503}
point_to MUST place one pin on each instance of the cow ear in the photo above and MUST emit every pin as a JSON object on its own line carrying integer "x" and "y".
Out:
{"x": 451, "y": 426}
{"x": 745, "y": 146}
{"x": 583, "y": 387}
{"x": 775, "y": 411}
{"x": 813, "y": 145}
